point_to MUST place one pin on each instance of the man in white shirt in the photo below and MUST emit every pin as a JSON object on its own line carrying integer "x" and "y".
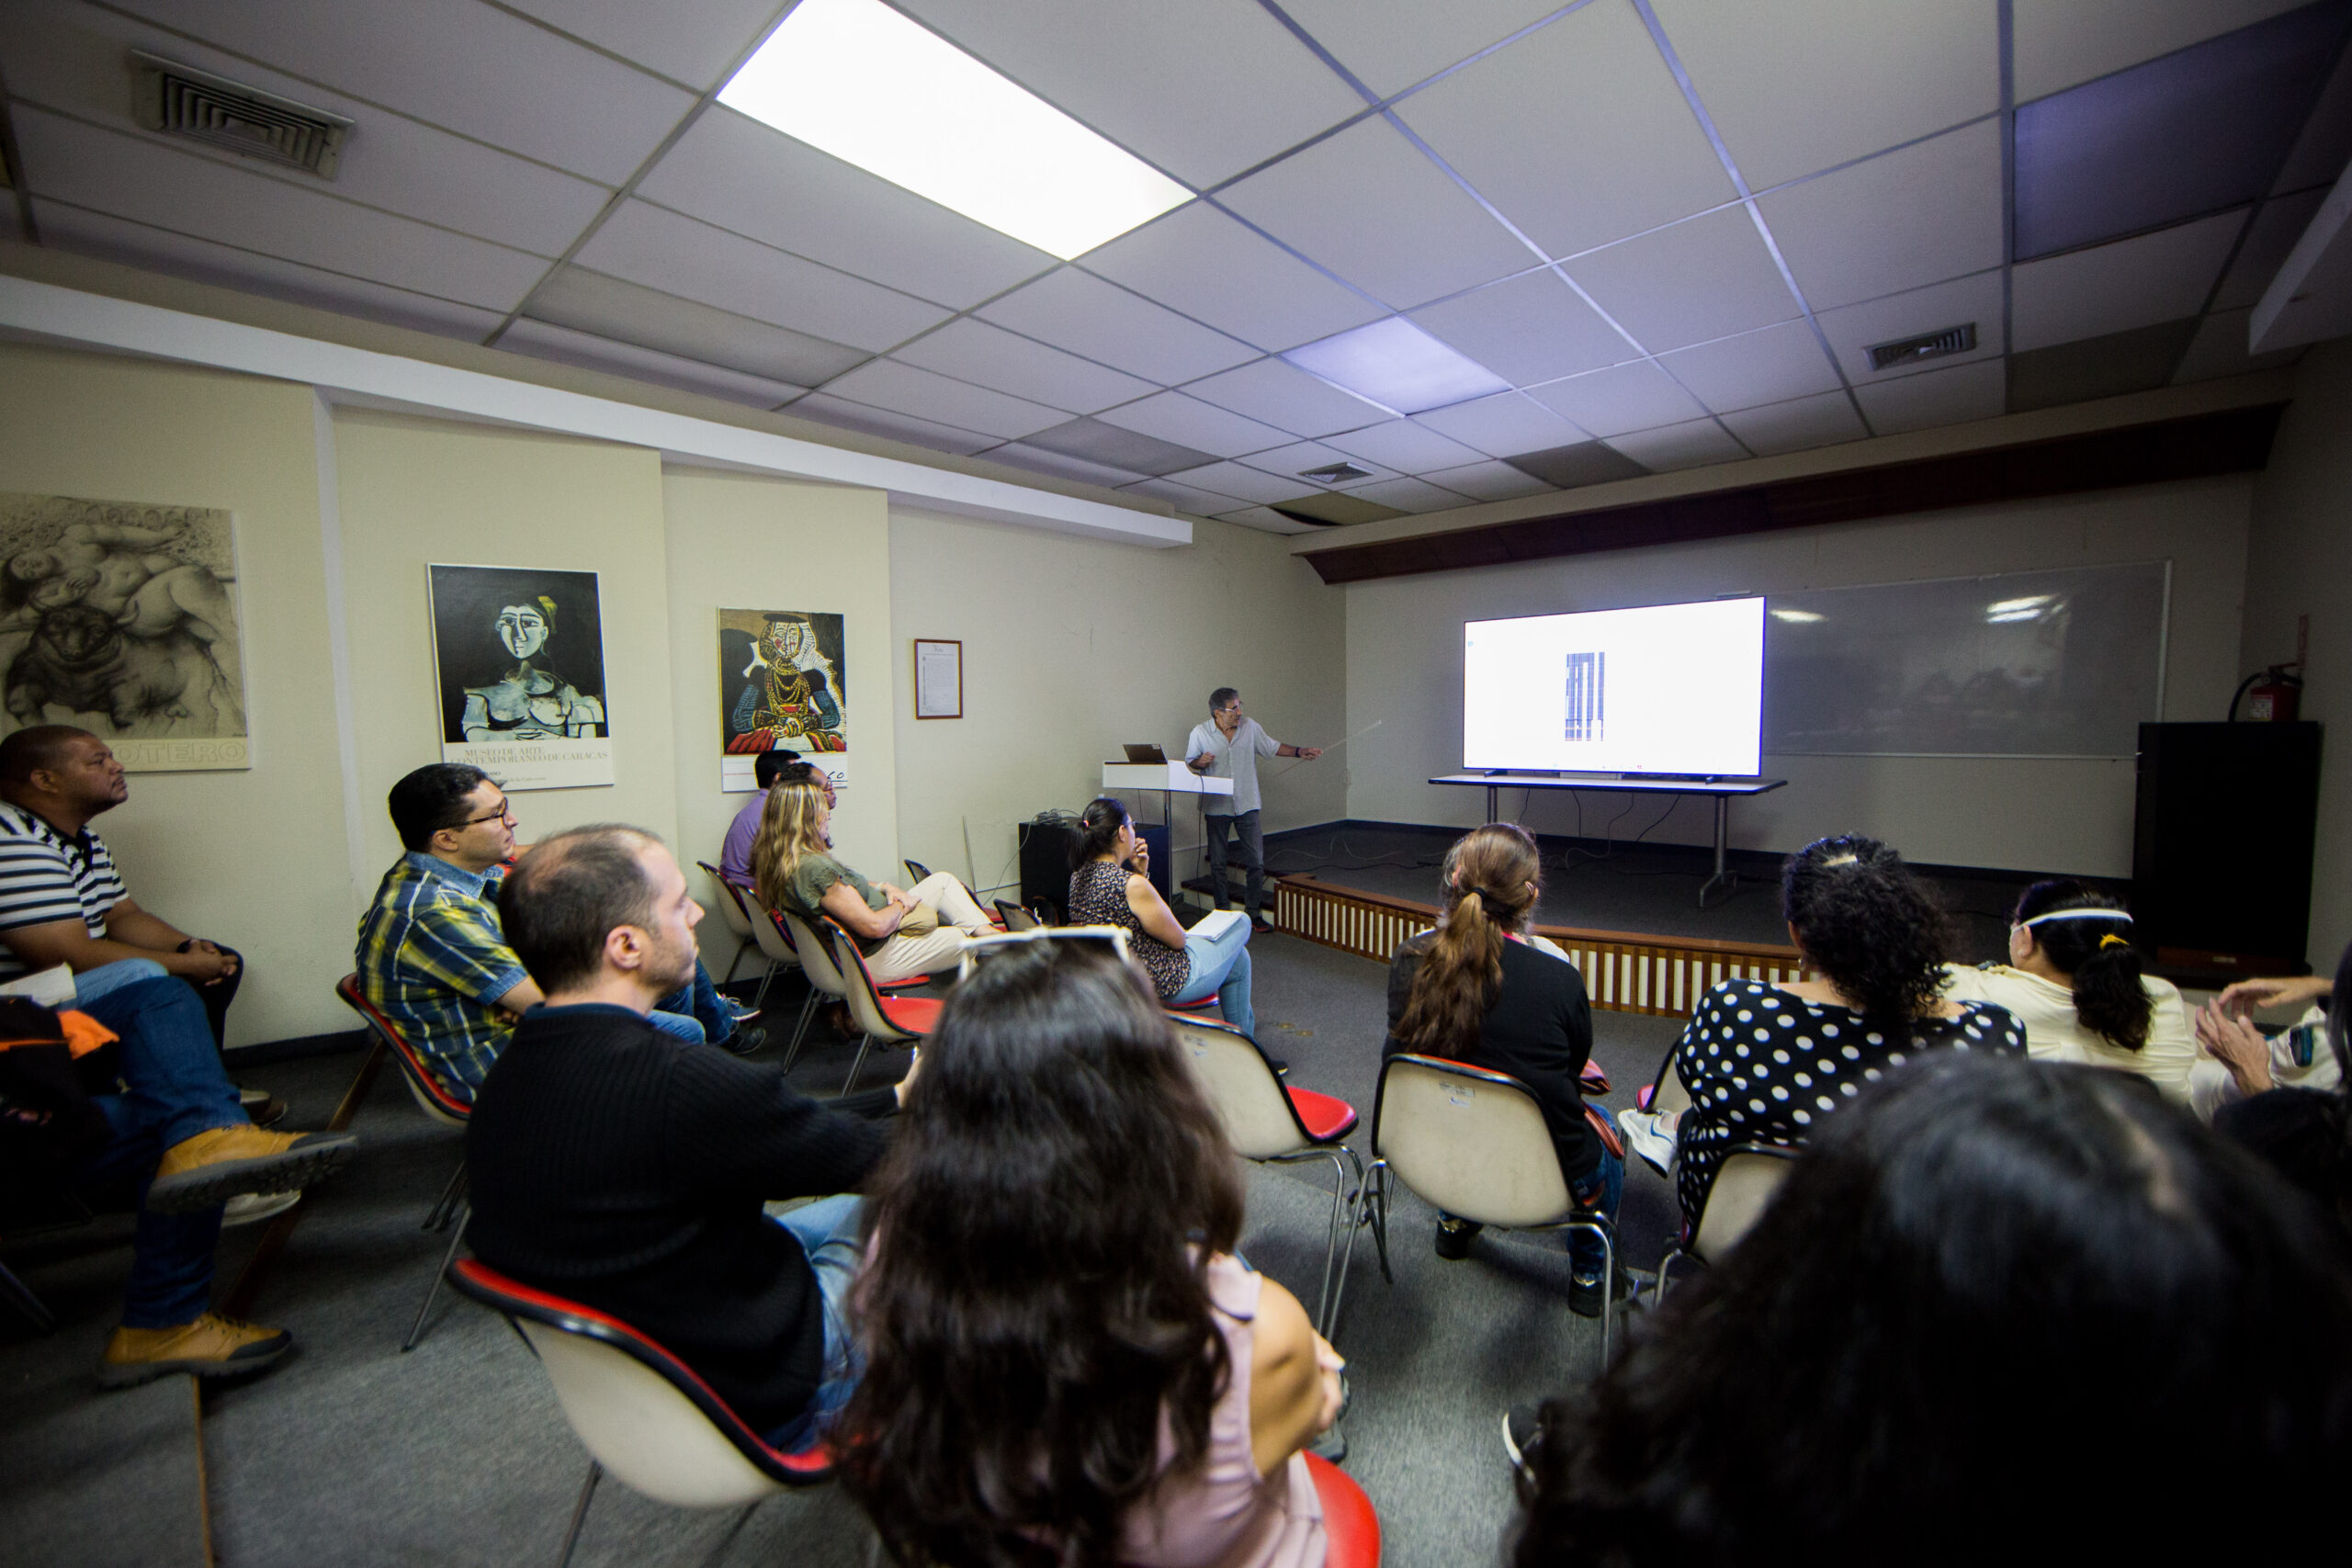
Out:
{"x": 1229, "y": 747}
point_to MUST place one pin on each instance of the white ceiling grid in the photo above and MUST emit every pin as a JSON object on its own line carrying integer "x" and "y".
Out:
{"x": 1675, "y": 226}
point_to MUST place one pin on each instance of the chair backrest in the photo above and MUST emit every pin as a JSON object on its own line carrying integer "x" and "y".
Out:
{"x": 858, "y": 989}
{"x": 1014, "y": 917}
{"x": 1351, "y": 1527}
{"x": 1668, "y": 1092}
{"x": 1259, "y": 1121}
{"x": 1743, "y": 1189}
{"x": 643, "y": 1414}
{"x": 816, "y": 960}
{"x": 919, "y": 871}
{"x": 730, "y": 902}
{"x": 430, "y": 1097}
{"x": 1470, "y": 1142}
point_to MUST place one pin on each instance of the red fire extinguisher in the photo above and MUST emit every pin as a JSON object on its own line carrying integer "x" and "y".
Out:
{"x": 2275, "y": 698}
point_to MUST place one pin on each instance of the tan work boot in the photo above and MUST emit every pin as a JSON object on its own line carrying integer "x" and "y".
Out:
{"x": 214, "y": 1166}
{"x": 211, "y": 1346}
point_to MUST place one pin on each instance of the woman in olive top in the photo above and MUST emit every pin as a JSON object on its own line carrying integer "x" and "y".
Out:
{"x": 902, "y": 931}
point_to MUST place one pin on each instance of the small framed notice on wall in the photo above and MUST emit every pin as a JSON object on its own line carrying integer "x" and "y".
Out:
{"x": 939, "y": 678}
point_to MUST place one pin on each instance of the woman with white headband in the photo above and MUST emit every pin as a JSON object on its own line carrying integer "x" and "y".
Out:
{"x": 2073, "y": 980}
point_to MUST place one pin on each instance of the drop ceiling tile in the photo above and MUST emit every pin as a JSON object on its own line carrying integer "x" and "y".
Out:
{"x": 1767, "y": 366}
{"x": 2109, "y": 288}
{"x": 1184, "y": 498}
{"x": 1371, "y": 208}
{"x": 848, "y": 415}
{"x": 543, "y": 340}
{"x": 1573, "y": 467}
{"x": 1576, "y": 132}
{"x": 1932, "y": 398}
{"x": 1904, "y": 220}
{"x": 2061, "y": 43}
{"x": 458, "y": 64}
{"x": 1854, "y": 328}
{"x": 628, "y": 312}
{"x": 1801, "y": 84}
{"x": 2321, "y": 151}
{"x": 147, "y": 182}
{"x": 734, "y": 171}
{"x": 1292, "y": 461}
{"x": 1527, "y": 329}
{"x": 2276, "y": 226}
{"x": 1822, "y": 419}
{"x": 1061, "y": 465}
{"x": 974, "y": 351}
{"x": 658, "y": 248}
{"x": 1243, "y": 483}
{"x": 1629, "y": 397}
{"x": 1110, "y": 446}
{"x": 71, "y": 59}
{"x": 1079, "y": 311}
{"x": 1410, "y": 495}
{"x": 1691, "y": 444}
{"x": 1204, "y": 90}
{"x": 1391, "y": 44}
{"x": 114, "y": 238}
{"x": 1502, "y": 424}
{"x": 1489, "y": 481}
{"x": 1173, "y": 416}
{"x": 1200, "y": 261}
{"x": 1707, "y": 278}
{"x": 1338, "y": 509}
{"x": 1281, "y": 395}
{"x": 1266, "y": 520}
{"x": 693, "y": 44}
{"x": 2105, "y": 367}
{"x": 1406, "y": 447}
{"x": 904, "y": 389}
{"x": 2219, "y": 349}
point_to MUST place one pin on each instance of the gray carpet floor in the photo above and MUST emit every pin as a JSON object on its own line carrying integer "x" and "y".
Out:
{"x": 351, "y": 1452}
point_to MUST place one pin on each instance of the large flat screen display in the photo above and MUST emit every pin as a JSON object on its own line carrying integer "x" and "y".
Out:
{"x": 1663, "y": 689}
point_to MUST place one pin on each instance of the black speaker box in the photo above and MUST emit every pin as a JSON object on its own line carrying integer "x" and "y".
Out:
{"x": 2221, "y": 845}
{"x": 1045, "y": 866}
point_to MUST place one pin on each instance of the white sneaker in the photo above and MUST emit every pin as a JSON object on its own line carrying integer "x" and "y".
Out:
{"x": 252, "y": 1208}
{"x": 1655, "y": 1144}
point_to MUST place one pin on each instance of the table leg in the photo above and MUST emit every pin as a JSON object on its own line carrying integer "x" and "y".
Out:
{"x": 1490, "y": 803}
{"x": 1724, "y": 879}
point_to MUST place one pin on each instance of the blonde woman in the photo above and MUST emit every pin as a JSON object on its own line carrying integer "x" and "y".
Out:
{"x": 902, "y": 931}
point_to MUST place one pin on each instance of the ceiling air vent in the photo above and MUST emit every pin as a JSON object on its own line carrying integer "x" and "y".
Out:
{"x": 1336, "y": 473}
{"x": 180, "y": 100}
{"x": 1928, "y": 345}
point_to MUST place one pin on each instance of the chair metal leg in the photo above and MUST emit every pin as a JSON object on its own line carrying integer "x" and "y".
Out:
{"x": 741, "y": 948}
{"x": 19, "y": 1295}
{"x": 1375, "y": 1202}
{"x": 444, "y": 1209}
{"x": 1607, "y": 1276}
{"x": 580, "y": 1514}
{"x": 865, "y": 1044}
{"x": 800, "y": 1030}
{"x": 457, "y": 1235}
{"x": 760, "y": 996}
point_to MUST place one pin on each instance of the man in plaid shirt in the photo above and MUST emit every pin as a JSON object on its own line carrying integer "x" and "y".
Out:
{"x": 433, "y": 957}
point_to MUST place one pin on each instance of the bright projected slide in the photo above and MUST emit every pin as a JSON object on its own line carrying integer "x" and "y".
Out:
{"x": 1664, "y": 689}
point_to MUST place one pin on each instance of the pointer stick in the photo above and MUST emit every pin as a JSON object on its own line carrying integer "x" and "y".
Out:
{"x": 1335, "y": 745}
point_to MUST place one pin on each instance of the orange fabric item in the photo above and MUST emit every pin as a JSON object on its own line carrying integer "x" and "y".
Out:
{"x": 83, "y": 1034}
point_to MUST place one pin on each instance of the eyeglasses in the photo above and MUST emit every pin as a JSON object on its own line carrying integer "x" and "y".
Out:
{"x": 506, "y": 813}
{"x": 980, "y": 947}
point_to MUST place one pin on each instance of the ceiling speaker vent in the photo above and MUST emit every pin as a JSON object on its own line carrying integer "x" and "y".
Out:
{"x": 1335, "y": 473}
{"x": 1928, "y": 345}
{"x": 180, "y": 100}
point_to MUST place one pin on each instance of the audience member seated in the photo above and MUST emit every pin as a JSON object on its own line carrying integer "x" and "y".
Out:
{"x": 1993, "y": 1310}
{"x": 2293, "y": 1057}
{"x": 735, "y": 856}
{"x": 2304, "y": 1131}
{"x": 1067, "y": 1363}
{"x": 1109, "y": 884}
{"x": 1765, "y": 1064}
{"x": 608, "y": 1166}
{"x": 2074, "y": 981}
{"x": 431, "y": 953}
{"x": 1474, "y": 990}
{"x": 902, "y": 931}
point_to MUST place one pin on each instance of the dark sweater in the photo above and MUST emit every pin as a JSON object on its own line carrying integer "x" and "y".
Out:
{"x": 1539, "y": 1030}
{"x": 610, "y": 1163}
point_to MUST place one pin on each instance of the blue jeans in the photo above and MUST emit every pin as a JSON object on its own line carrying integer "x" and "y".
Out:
{"x": 1221, "y": 969}
{"x": 1601, "y": 1189}
{"x": 694, "y": 1013}
{"x": 176, "y": 1090}
{"x": 91, "y": 984}
{"x": 827, "y": 1231}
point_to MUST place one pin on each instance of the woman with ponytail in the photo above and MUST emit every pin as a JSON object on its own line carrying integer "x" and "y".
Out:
{"x": 2073, "y": 980}
{"x": 1476, "y": 991}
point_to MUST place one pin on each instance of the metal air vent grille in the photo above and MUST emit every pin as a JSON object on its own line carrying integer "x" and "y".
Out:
{"x": 1928, "y": 345}
{"x": 1336, "y": 473}
{"x": 179, "y": 101}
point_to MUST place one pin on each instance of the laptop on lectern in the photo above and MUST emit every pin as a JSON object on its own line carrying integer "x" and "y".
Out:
{"x": 1147, "y": 752}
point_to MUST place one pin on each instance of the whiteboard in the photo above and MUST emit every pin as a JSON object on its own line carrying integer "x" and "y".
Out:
{"x": 2062, "y": 663}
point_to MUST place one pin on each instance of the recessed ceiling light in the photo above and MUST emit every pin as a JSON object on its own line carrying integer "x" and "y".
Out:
{"x": 1398, "y": 366}
{"x": 1798, "y": 616}
{"x": 855, "y": 79}
{"x": 2011, "y": 606}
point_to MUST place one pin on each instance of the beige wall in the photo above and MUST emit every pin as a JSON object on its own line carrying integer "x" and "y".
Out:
{"x": 1405, "y": 667}
{"x": 1072, "y": 647}
{"x": 2300, "y": 563}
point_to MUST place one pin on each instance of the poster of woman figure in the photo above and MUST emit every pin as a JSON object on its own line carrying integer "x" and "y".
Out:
{"x": 519, "y": 655}
{"x": 783, "y": 684}
{"x": 121, "y": 618}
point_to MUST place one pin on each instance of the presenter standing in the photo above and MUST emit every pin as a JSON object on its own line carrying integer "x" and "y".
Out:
{"x": 1229, "y": 747}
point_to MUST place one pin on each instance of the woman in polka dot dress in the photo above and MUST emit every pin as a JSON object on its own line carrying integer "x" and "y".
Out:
{"x": 1765, "y": 1063}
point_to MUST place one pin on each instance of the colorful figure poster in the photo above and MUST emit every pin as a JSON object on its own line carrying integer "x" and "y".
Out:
{"x": 121, "y": 618}
{"x": 783, "y": 684}
{"x": 519, "y": 656}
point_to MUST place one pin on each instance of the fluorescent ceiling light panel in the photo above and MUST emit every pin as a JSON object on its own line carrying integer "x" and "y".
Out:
{"x": 1398, "y": 366}
{"x": 1799, "y": 616}
{"x": 855, "y": 79}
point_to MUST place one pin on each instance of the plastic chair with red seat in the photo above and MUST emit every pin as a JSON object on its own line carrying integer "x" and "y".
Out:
{"x": 738, "y": 922}
{"x": 893, "y": 1020}
{"x": 640, "y": 1411}
{"x": 1351, "y": 1527}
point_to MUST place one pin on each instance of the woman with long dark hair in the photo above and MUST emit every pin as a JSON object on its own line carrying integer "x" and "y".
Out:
{"x": 1475, "y": 990}
{"x": 1109, "y": 884}
{"x": 1065, "y": 1363}
{"x": 1766, "y": 1063}
{"x": 2074, "y": 981}
{"x": 2000, "y": 1311}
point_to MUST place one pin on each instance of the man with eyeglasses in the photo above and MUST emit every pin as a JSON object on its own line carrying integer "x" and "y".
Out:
{"x": 1229, "y": 747}
{"x": 433, "y": 955}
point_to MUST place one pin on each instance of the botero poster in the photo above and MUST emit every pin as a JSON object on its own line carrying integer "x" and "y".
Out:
{"x": 783, "y": 684}
{"x": 519, "y": 655}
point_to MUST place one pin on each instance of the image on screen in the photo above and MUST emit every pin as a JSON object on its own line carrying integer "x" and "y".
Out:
{"x": 1661, "y": 689}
